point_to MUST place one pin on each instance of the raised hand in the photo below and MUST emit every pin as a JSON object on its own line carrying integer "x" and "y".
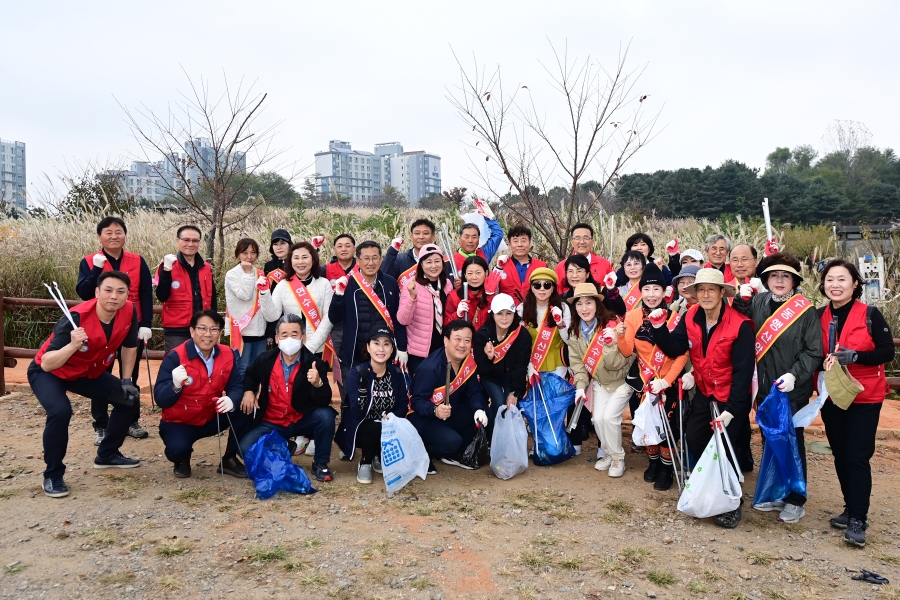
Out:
{"x": 672, "y": 247}
{"x": 657, "y": 318}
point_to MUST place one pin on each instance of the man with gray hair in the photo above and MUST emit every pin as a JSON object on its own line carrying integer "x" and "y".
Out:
{"x": 717, "y": 247}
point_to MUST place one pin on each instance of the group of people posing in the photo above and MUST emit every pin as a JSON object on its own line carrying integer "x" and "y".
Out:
{"x": 444, "y": 339}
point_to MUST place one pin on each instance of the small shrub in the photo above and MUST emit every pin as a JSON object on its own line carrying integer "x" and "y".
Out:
{"x": 661, "y": 577}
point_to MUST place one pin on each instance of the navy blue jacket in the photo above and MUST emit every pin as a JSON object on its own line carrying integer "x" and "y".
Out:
{"x": 358, "y": 315}
{"x": 356, "y": 413}
{"x": 167, "y": 397}
{"x": 431, "y": 375}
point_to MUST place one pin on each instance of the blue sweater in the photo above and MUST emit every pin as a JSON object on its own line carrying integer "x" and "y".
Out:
{"x": 431, "y": 375}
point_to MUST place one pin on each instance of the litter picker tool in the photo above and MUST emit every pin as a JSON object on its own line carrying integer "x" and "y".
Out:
{"x": 465, "y": 287}
{"x": 446, "y": 243}
{"x": 667, "y": 429}
{"x": 715, "y": 412}
{"x": 540, "y": 388}
{"x": 61, "y": 302}
{"x": 681, "y": 431}
{"x": 150, "y": 378}
{"x": 221, "y": 458}
{"x": 765, "y": 209}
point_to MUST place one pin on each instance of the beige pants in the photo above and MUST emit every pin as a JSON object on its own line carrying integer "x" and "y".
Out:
{"x": 607, "y": 417}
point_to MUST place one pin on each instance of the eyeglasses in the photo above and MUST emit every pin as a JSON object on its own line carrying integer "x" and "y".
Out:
{"x": 577, "y": 271}
{"x": 204, "y": 329}
{"x": 742, "y": 261}
{"x": 368, "y": 259}
{"x": 582, "y": 239}
{"x": 190, "y": 240}
{"x": 542, "y": 285}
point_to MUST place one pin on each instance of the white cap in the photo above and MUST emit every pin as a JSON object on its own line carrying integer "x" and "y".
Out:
{"x": 502, "y": 302}
{"x": 695, "y": 254}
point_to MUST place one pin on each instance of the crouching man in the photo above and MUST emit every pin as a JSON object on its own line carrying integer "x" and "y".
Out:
{"x": 197, "y": 386}
{"x": 287, "y": 390}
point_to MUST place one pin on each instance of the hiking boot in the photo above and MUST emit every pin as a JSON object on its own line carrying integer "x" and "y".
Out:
{"x": 604, "y": 463}
{"x": 457, "y": 461}
{"x": 182, "y": 470}
{"x": 617, "y": 468}
{"x": 730, "y": 519}
{"x": 664, "y": 481}
{"x": 376, "y": 464}
{"x": 769, "y": 506}
{"x": 364, "y": 473}
{"x": 232, "y": 466}
{"x": 653, "y": 471}
{"x": 137, "y": 432}
{"x": 99, "y": 434}
{"x": 856, "y": 533}
{"x": 431, "y": 469}
{"x": 322, "y": 472}
{"x": 841, "y": 521}
{"x": 791, "y": 513}
{"x": 55, "y": 487}
{"x": 116, "y": 461}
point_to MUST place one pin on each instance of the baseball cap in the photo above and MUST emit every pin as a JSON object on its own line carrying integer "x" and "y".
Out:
{"x": 502, "y": 302}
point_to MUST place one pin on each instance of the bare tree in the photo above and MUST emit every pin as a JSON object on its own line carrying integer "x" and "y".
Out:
{"x": 204, "y": 149}
{"x": 601, "y": 125}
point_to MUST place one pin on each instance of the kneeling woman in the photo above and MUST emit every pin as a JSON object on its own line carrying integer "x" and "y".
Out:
{"x": 374, "y": 388}
{"x": 596, "y": 360}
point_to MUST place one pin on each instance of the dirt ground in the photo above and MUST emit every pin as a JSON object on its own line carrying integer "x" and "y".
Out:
{"x": 553, "y": 532}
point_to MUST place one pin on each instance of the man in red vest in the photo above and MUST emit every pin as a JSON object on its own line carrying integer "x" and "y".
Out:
{"x": 111, "y": 233}
{"x": 583, "y": 243}
{"x": 75, "y": 359}
{"x": 197, "y": 387}
{"x": 185, "y": 286}
{"x": 520, "y": 265}
{"x": 720, "y": 341}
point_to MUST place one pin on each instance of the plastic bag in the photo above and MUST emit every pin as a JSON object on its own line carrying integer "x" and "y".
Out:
{"x": 509, "y": 444}
{"x": 806, "y": 415}
{"x": 781, "y": 469}
{"x": 545, "y": 408}
{"x": 269, "y": 466}
{"x": 648, "y": 426}
{"x": 403, "y": 455}
{"x": 704, "y": 494}
{"x": 476, "y": 453}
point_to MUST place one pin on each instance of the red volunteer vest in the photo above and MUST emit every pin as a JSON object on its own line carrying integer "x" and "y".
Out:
{"x": 726, "y": 273}
{"x": 512, "y": 286}
{"x": 280, "y": 411}
{"x": 334, "y": 271}
{"x": 179, "y": 308}
{"x": 130, "y": 264}
{"x": 197, "y": 403}
{"x": 713, "y": 371}
{"x": 100, "y": 351}
{"x": 855, "y": 335}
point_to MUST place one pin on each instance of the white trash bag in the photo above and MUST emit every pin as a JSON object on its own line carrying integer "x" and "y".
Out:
{"x": 806, "y": 415}
{"x": 647, "y": 421}
{"x": 403, "y": 455}
{"x": 509, "y": 443}
{"x": 714, "y": 487}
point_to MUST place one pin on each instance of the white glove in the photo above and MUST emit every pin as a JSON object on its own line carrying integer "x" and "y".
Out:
{"x": 580, "y": 395}
{"x": 168, "y": 261}
{"x": 501, "y": 260}
{"x": 557, "y": 315}
{"x": 224, "y": 405}
{"x": 481, "y": 417}
{"x": 609, "y": 280}
{"x": 340, "y": 285}
{"x": 179, "y": 376}
{"x": 462, "y": 309}
{"x": 99, "y": 260}
{"x": 746, "y": 291}
{"x": 687, "y": 381}
{"x": 145, "y": 333}
{"x": 787, "y": 382}
{"x": 402, "y": 358}
{"x": 725, "y": 418}
{"x": 396, "y": 243}
{"x": 262, "y": 283}
{"x": 482, "y": 208}
{"x": 318, "y": 241}
{"x": 532, "y": 372}
{"x": 757, "y": 284}
{"x": 609, "y": 336}
{"x": 672, "y": 247}
{"x": 658, "y": 385}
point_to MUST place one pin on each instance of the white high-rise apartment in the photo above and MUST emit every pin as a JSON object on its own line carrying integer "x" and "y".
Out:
{"x": 12, "y": 173}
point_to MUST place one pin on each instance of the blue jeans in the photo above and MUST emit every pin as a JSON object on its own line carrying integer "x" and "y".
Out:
{"x": 497, "y": 392}
{"x": 318, "y": 425}
{"x": 251, "y": 352}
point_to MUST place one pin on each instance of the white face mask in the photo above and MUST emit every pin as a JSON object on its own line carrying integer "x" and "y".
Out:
{"x": 290, "y": 346}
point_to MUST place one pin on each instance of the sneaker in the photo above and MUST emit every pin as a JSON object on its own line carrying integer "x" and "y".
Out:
{"x": 292, "y": 447}
{"x": 55, "y": 488}
{"x": 182, "y": 470}
{"x": 116, "y": 461}
{"x": 617, "y": 468}
{"x": 653, "y": 471}
{"x": 664, "y": 481}
{"x": 376, "y": 464}
{"x": 841, "y": 521}
{"x": 137, "y": 432}
{"x": 232, "y": 466}
{"x": 99, "y": 434}
{"x": 769, "y": 506}
{"x": 604, "y": 463}
{"x": 730, "y": 519}
{"x": 322, "y": 472}
{"x": 577, "y": 449}
{"x": 300, "y": 444}
{"x": 457, "y": 461}
{"x": 431, "y": 469}
{"x": 856, "y": 533}
{"x": 364, "y": 473}
{"x": 310, "y": 448}
{"x": 791, "y": 513}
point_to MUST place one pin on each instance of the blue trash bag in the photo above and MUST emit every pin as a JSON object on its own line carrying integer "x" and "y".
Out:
{"x": 269, "y": 466}
{"x": 551, "y": 397}
{"x": 781, "y": 470}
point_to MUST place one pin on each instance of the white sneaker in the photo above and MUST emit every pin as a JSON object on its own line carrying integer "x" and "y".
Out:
{"x": 310, "y": 448}
{"x": 577, "y": 449}
{"x": 603, "y": 464}
{"x": 791, "y": 513}
{"x": 769, "y": 506}
{"x": 617, "y": 468}
{"x": 301, "y": 442}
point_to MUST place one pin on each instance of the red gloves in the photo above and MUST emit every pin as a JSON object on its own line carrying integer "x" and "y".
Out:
{"x": 340, "y": 285}
{"x": 502, "y": 260}
{"x": 771, "y": 247}
{"x": 557, "y": 315}
{"x": 670, "y": 294}
{"x": 672, "y": 247}
{"x": 482, "y": 208}
{"x": 396, "y": 243}
{"x": 657, "y": 318}
{"x": 318, "y": 241}
{"x": 610, "y": 280}
{"x": 262, "y": 284}
{"x": 492, "y": 282}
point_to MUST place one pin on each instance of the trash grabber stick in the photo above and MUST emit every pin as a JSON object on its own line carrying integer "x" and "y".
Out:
{"x": 465, "y": 287}
{"x": 727, "y": 437}
{"x": 547, "y": 412}
{"x": 221, "y": 458}
{"x": 62, "y": 301}
{"x": 684, "y": 452}
{"x": 576, "y": 414}
{"x": 62, "y": 306}
{"x": 669, "y": 435}
{"x": 150, "y": 378}
{"x": 231, "y": 427}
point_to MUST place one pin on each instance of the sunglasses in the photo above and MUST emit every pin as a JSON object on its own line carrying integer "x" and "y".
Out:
{"x": 542, "y": 285}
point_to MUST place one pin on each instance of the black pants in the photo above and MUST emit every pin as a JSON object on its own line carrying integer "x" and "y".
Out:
{"x": 697, "y": 429}
{"x": 851, "y": 435}
{"x": 99, "y": 408}
{"x": 50, "y": 391}
{"x": 179, "y": 438}
{"x": 583, "y": 428}
{"x": 175, "y": 337}
{"x": 368, "y": 440}
{"x": 444, "y": 439}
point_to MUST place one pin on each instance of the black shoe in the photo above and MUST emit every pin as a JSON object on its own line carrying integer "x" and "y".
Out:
{"x": 841, "y": 521}
{"x": 182, "y": 470}
{"x": 292, "y": 447}
{"x": 322, "y": 472}
{"x": 55, "y": 488}
{"x": 232, "y": 466}
{"x": 856, "y": 533}
{"x": 664, "y": 481}
{"x": 458, "y": 461}
{"x": 652, "y": 472}
{"x": 431, "y": 469}
{"x": 116, "y": 461}
{"x": 730, "y": 519}
{"x": 137, "y": 432}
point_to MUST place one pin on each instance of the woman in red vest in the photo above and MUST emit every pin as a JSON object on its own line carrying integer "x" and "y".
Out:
{"x": 864, "y": 344}
{"x": 474, "y": 308}
{"x": 75, "y": 358}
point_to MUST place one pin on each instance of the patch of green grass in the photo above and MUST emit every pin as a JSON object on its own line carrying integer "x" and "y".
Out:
{"x": 776, "y": 594}
{"x": 534, "y": 560}
{"x": 169, "y": 583}
{"x": 761, "y": 557}
{"x": 14, "y": 569}
{"x": 544, "y": 540}
{"x": 611, "y": 565}
{"x": 637, "y": 555}
{"x": 13, "y": 470}
{"x": 712, "y": 575}
{"x": 564, "y": 513}
{"x": 102, "y": 536}
{"x": 175, "y": 549}
{"x": 423, "y": 511}
{"x": 697, "y": 587}
{"x": 420, "y": 583}
{"x": 609, "y": 517}
{"x": 194, "y": 496}
{"x": 758, "y": 521}
{"x": 313, "y": 580}
{"x": 7, "y": 494}
{"x": 526, "y": 591}
{"x": 296, "y": 565}
{"x": 381, "y": 547}
{"x": 889, "y": 559}
{"x": 738, "y": 596}
{"x": 793, "y": 527}
{"x": 311, "y": 543}
{"x": 662, "y": 577}
{"x": 804, "y": 576}
{"x": 572, "y": 563}
{"x": 380, "y": 574}
{"x": 620, "y": 507}
{"x": 117, "y": 578}
{"x": 120, "y": 485}
{"x": 268, "y": 553}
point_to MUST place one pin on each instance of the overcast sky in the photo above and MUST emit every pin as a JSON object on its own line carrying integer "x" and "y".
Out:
{"x": 733, "y": 80}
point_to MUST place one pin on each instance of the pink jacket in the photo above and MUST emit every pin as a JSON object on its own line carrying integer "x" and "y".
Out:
{"x": 418, "y": 316}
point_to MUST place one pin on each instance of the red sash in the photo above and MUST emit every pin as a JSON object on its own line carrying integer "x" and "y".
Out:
{"x": 651, "y": 370}
{"x": 632, "y": 297}
{"x": 236, "y": 341}
{"x": 276, "y": 277}
{"x": 465, "y": 371}
{"x": 406, "y": 276}
{"x": 504, "y": 346}
{"x": 541, "y": 344}
{"x": 310, "y": 310}
{"x": 594, "y": 352}
{"x": 373, "y": 297}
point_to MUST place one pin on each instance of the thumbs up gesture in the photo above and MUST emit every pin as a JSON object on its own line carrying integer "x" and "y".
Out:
{"x": 313, "y": 376}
